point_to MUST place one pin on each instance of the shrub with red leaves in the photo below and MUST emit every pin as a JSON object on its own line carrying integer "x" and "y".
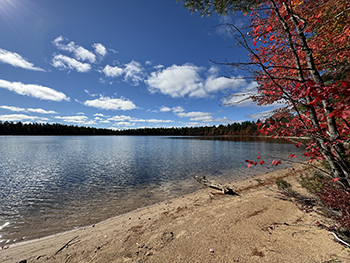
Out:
{"x": 334, "y": 197}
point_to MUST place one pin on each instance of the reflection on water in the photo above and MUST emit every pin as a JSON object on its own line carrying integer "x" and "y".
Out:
{"x": 52, "y": 184}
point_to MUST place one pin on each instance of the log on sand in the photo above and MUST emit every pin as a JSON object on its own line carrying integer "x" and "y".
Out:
{"x": 212, "y": 184}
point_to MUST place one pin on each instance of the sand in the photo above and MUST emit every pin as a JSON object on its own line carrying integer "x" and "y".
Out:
{"x": 259, "y": 225}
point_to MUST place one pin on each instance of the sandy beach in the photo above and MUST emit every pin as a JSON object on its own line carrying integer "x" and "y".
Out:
{"x": 259, "y": 225}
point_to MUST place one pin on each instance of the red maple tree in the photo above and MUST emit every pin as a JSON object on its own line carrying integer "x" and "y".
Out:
{"x": 304, "y": 62}
{"x": 300, "y": 53}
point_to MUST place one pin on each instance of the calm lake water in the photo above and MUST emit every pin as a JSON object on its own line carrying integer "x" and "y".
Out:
{"x": 55, "y": 183}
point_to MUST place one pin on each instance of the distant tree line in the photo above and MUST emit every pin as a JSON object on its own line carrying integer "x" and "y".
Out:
{"x": 18, "y": 128}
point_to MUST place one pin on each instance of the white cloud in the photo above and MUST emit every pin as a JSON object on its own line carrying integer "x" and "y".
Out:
{"x": 223, "y": 28}
{"x": 76, "y": 119}
{"x": 148, "y": 63}
{"x": 107, "y": 103}
{"x": 17, "y": 109}
{"x": 41, "y": 111}
{"x": 83, "y": 54}
{"x": 33, "y": 90}
{"x": 112, "y": 72}
{"x": 119, "y": 118}
{"x": 16, "y": 60}
{"x": 261, "y": 115}
{"x": 165, "y": 109}
{"x": 127, "y": 119}
{"x": 113, "y": 51}
{"x": 242, "y": 98}
{"x": 21, "y": 117}
{"x": 104, "y": 121}
{"x": 176, "y": 81}
{"x": 129, "y": 124}
{"x": 100, "y": 115}
{"x": 179, "y": 81}
{"x": 79, "y": 52}
{"x": 88, "y": 93}
{"x": 178, "y": 109}
{"x": 134, "y": 72}
{"x": 64, "y": 62}
{"x": 214, "y": 83}
{"x": 196, "y": 116}
{"x": 12, "y": 108}
{"x": 158, "y": 67}
{"x": 153, "y": 120}
{"x": 100, "y": 49}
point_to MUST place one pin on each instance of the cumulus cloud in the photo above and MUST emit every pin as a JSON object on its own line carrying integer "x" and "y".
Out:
{"x": 75, "y": 119}
{"x": 63, "y": 62}
{"x": 134, "y": 73}
{"x": 33, "y": 90}
{"x": 16, "y": 60}
{"x": 107, "y": 103}
{"x": 196, "y": 116}
{"x": 21, "y": 117}
{"x": 41, "y": 111}
{"x": 17, "y": 109}
{"x": 12, "y": 108}
{"x": 179, "y": 81}
{"x": 176, "y": 81}
{"x": 214, "y": 83}
{"x": 164, "y": 109}
{"x": 128, "y": 119}
{"x": 79, "y": 52}
{"x": 100, "y": 49}
{"x": 242, "y": 98}
{"x": 100, "y": 115}
{"x": 204, "y": 117}
{"x": 178, "y": 109}
{"x": 112, "y": 72}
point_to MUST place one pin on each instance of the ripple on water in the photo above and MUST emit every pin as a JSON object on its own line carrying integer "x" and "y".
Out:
{"x": 53, "y": 184}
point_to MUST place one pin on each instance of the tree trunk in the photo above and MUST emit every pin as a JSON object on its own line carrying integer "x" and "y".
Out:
{"x": 334, "y": 153}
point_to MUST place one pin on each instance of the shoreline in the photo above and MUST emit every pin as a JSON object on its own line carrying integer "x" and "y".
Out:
{"x": 204, "y": 226}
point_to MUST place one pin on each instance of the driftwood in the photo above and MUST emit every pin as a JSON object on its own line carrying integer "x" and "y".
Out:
{"x": 212, "y": 184}
{"x": 66, "y": 245}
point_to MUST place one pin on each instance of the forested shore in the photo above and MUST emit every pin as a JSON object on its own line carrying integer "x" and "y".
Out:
{"x": 18, "y": 128}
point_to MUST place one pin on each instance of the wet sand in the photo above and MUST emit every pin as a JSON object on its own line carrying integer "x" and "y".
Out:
{"x": 259, "y": 225}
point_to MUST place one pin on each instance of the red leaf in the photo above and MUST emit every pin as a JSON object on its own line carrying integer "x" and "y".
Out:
{"x": 262, "y": 162}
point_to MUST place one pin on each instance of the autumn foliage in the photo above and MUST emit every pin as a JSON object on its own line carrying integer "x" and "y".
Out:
{"x": 302, "y": 50}
{"x": 300, "y": 55}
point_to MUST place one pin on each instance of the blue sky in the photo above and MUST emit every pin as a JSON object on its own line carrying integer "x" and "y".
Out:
{"x": 118, "y": 64}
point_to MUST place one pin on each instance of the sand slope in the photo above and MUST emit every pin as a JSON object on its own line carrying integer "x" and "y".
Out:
{"x": 257, "y": 226}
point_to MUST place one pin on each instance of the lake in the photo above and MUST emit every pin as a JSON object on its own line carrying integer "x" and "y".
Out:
{"x": 50, "y": 184}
